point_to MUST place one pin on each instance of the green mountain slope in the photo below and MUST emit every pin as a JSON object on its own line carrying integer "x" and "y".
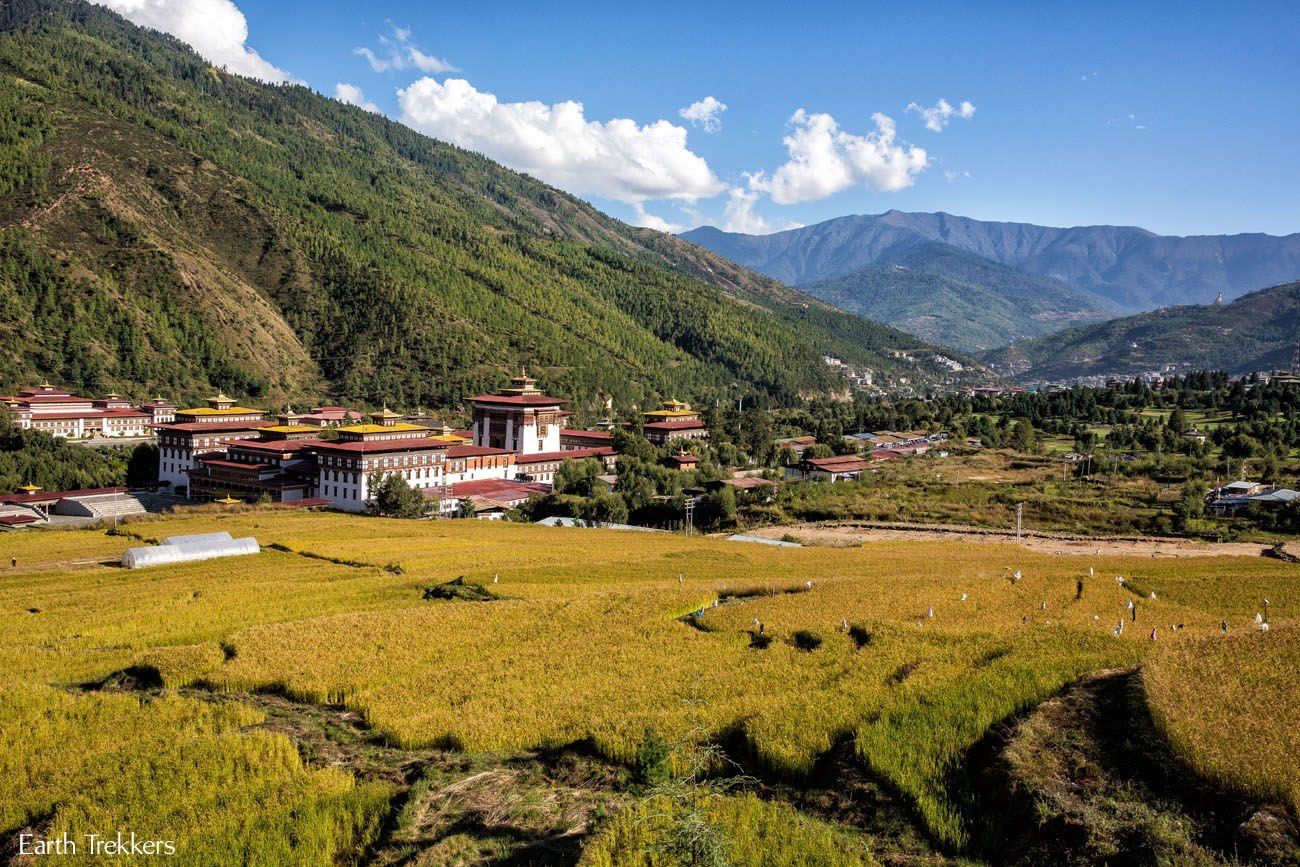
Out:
{"x": 165, "y": 226}
{"x": 941, "y": 294}
{"x": 1256, "y": 332}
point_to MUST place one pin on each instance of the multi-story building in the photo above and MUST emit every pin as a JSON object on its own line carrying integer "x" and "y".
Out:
{"x": 519, "y": 418}
{"x": 280, "y": 465}
{"x": 63, "y": 414}
{"x": 542, "y": 466}
{"x": 673, "y": 420}
{"x": 572, "y": 438}
{"x": 202, "y": 431}
{"x": 349, "y": 467}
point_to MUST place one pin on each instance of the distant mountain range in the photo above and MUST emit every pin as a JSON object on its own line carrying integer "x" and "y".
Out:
{"x": 1131, "y": 268}
{"x": 1255, "y": 332}
{"x": 945, "y": 295}
{"x": 979, "y": 285}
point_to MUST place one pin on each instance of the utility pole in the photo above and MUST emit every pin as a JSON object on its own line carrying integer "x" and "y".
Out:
{"x": 690, "y": 515}
{"x": 1020, "y": 518}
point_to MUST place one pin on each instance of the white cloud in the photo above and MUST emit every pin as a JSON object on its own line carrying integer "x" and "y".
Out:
{"x": 706, "y": 113}
{"x": 825, "y": 160}
{"x": 954, "y": 175}
{"x": 352, "y": 95}
{"x": 618, "y": 158}
{"x": 938, "y": 116}
{"x": 650, "y": 221}
{"x": 400, "y": 53}
{"x": 739, "y": 214}
{"x": 215, "y": 29}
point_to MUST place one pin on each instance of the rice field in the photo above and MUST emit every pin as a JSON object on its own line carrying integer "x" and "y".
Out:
{"x": 1228, "y": 705}
{"x": 913, "y": 649}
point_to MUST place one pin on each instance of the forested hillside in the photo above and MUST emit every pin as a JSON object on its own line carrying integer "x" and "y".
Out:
{"x": 1256, "y": 332}
{"x": 941, "y": 294}
{"x": 165, "y": 226}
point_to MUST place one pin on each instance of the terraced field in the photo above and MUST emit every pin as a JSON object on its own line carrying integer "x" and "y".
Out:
{"x": 911, "y": 652}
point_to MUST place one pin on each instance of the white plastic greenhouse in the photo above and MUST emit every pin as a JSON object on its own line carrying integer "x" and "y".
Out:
{"x": 186, "y": 549}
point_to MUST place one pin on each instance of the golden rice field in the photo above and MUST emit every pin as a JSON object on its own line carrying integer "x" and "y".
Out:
{"x": 586, "y": 644}
{"x": 1229, "y": 706}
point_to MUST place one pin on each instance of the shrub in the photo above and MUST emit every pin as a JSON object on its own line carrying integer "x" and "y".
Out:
{"x": 653, "y": 759}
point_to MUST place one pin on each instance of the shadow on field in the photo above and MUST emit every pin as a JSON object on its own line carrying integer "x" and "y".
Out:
{"x": 1084, "y": 778}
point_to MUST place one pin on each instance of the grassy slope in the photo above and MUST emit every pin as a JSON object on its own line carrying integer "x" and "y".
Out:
{"x": 1255, "y": 332}
{"x": 171, "y": 226}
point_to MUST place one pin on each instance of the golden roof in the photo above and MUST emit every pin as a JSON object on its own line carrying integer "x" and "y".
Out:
{"x": 380, "y": 428}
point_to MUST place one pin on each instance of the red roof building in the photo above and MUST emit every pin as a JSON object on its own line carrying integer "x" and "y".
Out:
{"x": 571, "y": 438}
{"x": 519, "y": 418}
{"x": 62, "y": 414}
{"x": 662, "y": 432}
{"x": 543, "y": 466}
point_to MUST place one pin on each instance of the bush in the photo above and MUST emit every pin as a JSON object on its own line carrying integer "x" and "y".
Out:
{"x": 653, "y": 759}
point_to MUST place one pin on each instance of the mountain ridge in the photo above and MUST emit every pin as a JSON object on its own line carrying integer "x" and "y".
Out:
{"x": 1257, "y": 331}
{"x": 944, "y": 295}
{"x": 1131, "y": 267}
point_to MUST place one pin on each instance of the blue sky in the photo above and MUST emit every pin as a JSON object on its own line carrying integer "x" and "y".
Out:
{"x": 1183, "y": 118}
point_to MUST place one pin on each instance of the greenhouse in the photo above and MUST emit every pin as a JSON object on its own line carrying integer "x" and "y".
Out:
{"x": 187, "y": 549}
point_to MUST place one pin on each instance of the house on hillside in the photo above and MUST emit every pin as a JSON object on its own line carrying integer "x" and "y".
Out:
{"x": 673, "y": 420}
{"x": 833, "y": 469}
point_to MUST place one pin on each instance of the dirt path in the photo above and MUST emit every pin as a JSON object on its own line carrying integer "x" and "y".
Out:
{"x": 848, "y": 534}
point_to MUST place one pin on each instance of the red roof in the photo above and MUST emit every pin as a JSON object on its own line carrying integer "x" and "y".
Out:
{"x": 53, "y": 398}
{"x": 363, "y": 447}
{"x": 51, "y": 496}
{"x": 235, "y": 465}
{"x": 63, "y": 416}
{"x": 684, "y": 459}
{"x": 586, "y": 434}
{"x": 677, "y": 425}
{"x": 468, "y": 450}
{"x": 125, "y": 413}
{"x": 17, "y": 520}
{"x": 570, "y": 454}
{"x": 214, "y": 426}
{"x": 840, "y": 464}
{"x": 309, "y": 502}
{"x": 518, "y": 399}
{"x": 274, "y": 446}
{"x": 499, "y": 489}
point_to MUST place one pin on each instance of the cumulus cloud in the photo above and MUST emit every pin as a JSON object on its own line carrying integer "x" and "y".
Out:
{"x": 352, "y": 95}
{"x": 619, "y": 158}
{"x": 706, "y": 113}
{"x": 825, "y": 160}
{"x": 398, "y": 52}
{"x": 215, "y": 29}
{"x": 941, "y": 113}
{"x": 739, "y": 214}
{"x": 650, "y": 221}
